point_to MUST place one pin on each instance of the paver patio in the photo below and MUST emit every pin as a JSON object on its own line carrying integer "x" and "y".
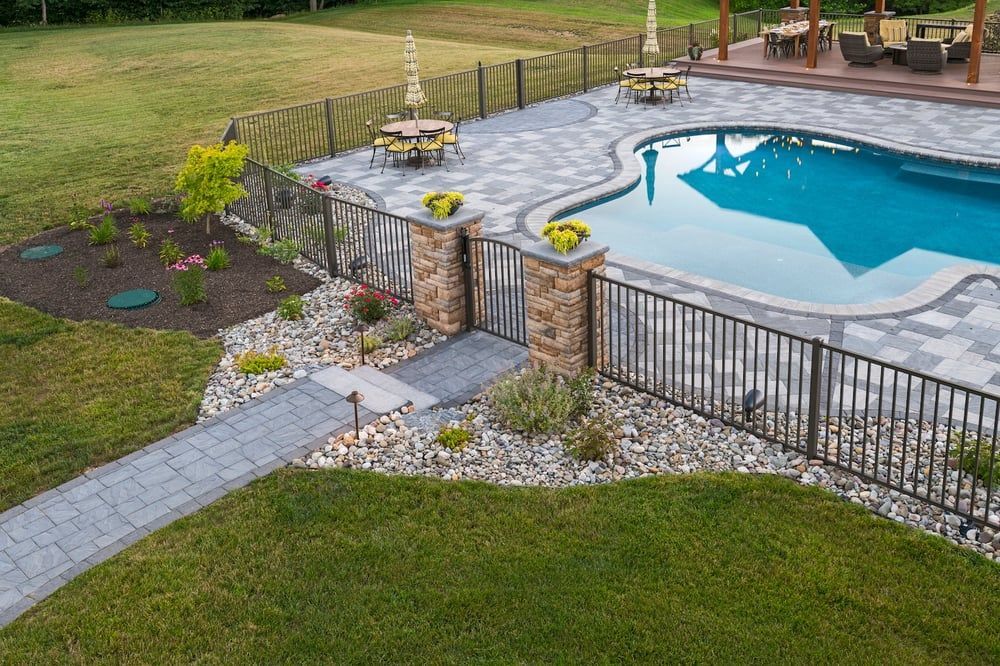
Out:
{"x": 520, "y": 160}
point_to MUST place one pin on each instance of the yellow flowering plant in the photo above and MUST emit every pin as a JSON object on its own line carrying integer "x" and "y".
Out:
{"x": 442, "y": 204}
{"x": 566, "y": 234}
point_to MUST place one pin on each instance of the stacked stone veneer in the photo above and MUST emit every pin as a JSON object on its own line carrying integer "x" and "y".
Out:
{"x": 438, "y": 276}
{"x": 557, "y": 304}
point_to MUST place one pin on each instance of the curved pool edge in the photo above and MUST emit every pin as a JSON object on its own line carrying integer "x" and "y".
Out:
{"x": 924, "y": 295}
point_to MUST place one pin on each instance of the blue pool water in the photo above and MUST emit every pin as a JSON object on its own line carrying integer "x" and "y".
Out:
{"x": 800, "y": 216}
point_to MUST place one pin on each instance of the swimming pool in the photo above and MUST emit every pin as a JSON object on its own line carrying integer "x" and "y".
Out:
{"x": 799, "y": 216}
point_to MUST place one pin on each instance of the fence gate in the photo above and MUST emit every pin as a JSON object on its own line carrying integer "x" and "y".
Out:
{"x": 494, "y": 288}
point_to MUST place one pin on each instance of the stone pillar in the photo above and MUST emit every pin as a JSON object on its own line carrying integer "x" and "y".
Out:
{"x": 556, "y": 304}
{"x": 795, "y": 13}
{"x": 438, "y": 273}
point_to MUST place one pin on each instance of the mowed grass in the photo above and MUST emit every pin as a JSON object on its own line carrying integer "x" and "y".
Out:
{"x": 355, "y": 567}
{"x": 111, "y": 111}
{"x": 75, "y": 395}
{"x": 967, "y": 13}
{"x": 540, "y": 24}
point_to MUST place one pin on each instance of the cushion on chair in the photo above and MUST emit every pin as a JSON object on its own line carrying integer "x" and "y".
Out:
{"x": 858, "y": 34}
{"x": 401, "y": 147}
{"x": 641, "y": 87}
{"x": 382, "y": 141}
{"x": 449, "y": 138}
{"x": 964, "y": 36}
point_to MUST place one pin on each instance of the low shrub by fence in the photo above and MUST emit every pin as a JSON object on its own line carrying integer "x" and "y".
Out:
{"x": 908, "y": 431}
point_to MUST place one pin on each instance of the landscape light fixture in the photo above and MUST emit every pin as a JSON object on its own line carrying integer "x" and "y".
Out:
{"x": 356, "y": 398}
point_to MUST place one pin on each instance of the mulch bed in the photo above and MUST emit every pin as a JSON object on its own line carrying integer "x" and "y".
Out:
{"x": 234, "y": 295}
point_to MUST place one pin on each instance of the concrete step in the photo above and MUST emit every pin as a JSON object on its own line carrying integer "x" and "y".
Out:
{"x": 383, "y": 394}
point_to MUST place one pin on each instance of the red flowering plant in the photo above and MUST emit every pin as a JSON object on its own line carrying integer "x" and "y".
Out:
{"x": 310, "y": 181}
{"x": 369, "y": 305}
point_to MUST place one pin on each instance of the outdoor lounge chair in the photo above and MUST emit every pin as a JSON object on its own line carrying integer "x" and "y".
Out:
{"x": 926, "y": 55}
{"x": 960, "y": 47}
{"x": 857, "y": 51}
{"x": 892, "y": 31}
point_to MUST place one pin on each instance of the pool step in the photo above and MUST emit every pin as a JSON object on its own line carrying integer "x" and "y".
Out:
{"x": 951, "y": 172}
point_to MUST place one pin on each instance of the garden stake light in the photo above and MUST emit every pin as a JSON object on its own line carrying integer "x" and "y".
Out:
{"x": 355, "y": 399}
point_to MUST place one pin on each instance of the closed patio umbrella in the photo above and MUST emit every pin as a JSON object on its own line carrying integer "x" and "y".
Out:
{"x": 415, "y": 97}
{"x": 651, "y": 47}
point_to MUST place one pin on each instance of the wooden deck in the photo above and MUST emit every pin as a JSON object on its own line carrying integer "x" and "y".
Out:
{"x": 747, "y": 63}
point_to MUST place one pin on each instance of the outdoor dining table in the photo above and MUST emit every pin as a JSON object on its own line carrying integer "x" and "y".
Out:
{"x": 652, "y": 74}
{"x": 413, "y": 129}
{"x": 794, "y": 31}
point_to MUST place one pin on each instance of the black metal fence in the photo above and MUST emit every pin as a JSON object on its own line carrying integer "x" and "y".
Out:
{"x": 346, "y": 239}
{"x": 908, "y": 431}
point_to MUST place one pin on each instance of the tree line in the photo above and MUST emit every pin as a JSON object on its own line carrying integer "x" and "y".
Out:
{"x": 25, "y": 12}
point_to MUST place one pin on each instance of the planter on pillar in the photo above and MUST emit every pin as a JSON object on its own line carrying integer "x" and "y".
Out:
{"x": 557, "y": 304}
{"x": 438, "y": 277}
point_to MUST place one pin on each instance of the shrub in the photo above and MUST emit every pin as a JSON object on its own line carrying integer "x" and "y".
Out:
{"x": 582, "y": 389}
{"x": 291, "y": 307}
{"x": 170, "y": 252}
{"x": 139, "y": 206}
{"x": 244, "y": 239}
{"x": 591, "y": 440}
{"x": 369, "y": 305}
{"x": 442, "y": 204}
{"x": 275, "y": 284}
{"x": 976, "y": 460}
{"x": 189, "y": 279}
{"x": 217, "y": 258}
{"x": 566, "y": 234}
{"x": 79, "y": 218}
{"x": 283, "y": 251}
{"x": 453, "y": 437}
{"x": 399, "y": 329}
{"x": 82, "y": 276}
{"x": 139, "y": 235}
{"x": 112, "y": 257}
{"x": 287, "y": 170}
{"x": 255, "y": 363}
{"x": 370, "y": 343}
{"x": 207, "y": 180}
{"x": 536, "y": 401}
{"x": 104, "y": 233}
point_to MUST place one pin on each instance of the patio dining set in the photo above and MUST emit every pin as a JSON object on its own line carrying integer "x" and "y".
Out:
{"x": 650, "y": 85}
{"x": 415, "y": 141}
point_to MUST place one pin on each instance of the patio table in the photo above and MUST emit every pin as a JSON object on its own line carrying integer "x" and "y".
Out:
{"x": 413, "y": 129}
{"x": 794, "y": 31}
{"x": 652, "y": 74}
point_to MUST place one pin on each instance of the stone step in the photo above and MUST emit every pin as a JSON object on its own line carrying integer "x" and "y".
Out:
{"x": 383, "y": 394}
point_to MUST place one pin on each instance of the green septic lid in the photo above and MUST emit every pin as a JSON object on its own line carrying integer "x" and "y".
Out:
{"x": 133, "y": 299}
{"x": 41, "y": 252}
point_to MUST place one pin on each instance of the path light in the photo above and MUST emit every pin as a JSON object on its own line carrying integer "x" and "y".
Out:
{"x": 361, "y": 329}
{"x": 356, "y": 398}
{"x": 753, "y": 400}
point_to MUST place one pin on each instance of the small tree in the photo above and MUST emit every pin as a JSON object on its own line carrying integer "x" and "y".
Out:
{"x": 207, "y": 180}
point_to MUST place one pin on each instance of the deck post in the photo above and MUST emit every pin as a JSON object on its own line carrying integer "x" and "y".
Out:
{"x": 976, "y": 53}
{"x": 723, "y": 30}
{"x": 880, "y": 6}
{"x": 812, "y": 47}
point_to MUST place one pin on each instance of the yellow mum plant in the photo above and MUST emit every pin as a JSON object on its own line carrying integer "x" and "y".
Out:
{"x": 566, "y": 234}
{"x": 442, "y": 204}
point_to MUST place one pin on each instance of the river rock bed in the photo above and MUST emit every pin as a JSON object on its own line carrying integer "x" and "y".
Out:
{"x": 326, "y": 335}
{"x": 653, "y": 437}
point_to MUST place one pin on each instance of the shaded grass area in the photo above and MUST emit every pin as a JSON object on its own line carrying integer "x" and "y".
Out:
{"x": 110, "y": 111}
{"x": 355, "y": 567}
{"x": 539, "y": 24}
{"x": 76, "y": 395}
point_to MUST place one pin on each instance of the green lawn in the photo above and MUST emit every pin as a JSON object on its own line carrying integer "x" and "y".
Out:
{"x": 358, "y": 567}
{"x": 111, "y": 111}
{"x": 75, "y": 395}
{"x": 967, "y": 12}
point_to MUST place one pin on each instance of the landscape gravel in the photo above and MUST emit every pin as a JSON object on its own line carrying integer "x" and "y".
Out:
{"x": 652, "y": 437}
{"x": 326, "y": 335}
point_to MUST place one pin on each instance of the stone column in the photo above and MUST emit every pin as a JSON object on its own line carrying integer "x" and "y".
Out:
{"x": 556, "y": 304}
{"x": 872, "y": 20}
{"x": 438, "y": 274}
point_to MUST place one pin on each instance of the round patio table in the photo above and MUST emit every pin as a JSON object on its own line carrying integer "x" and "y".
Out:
{"x": 652, "y": 74}
{"x": 412, "y": 129}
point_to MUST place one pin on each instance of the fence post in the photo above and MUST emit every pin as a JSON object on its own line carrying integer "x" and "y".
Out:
{"x": 520, "y": 83}
{"x": 470, "y": 299}
{"x": 586, "y": 69}
{"x": 690, "y": 34}
{"x": 732, "y": 33}
{"x": 330, "y": 134}
{"x": 760, "y": 21}
{"x": 269, "y": 201}
{"x": 815, "y": 384}
{"x": 330, "y": 238}
{"x": 481, "y": 88}
{"x": 591, "y": 322}
{"x": 641, "y": 57}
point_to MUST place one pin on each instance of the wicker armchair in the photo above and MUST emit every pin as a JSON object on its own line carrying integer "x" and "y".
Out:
{"x": 959, "y": 51}
{"x": 857, "y": 51}
{"x": 926, "y": 55}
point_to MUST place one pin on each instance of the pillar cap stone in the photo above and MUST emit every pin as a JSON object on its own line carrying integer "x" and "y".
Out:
{"x": 463, "y": 217}
{"x": 543, "y": 251}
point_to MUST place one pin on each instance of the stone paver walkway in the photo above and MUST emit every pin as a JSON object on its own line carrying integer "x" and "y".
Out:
{"x": 53, "y": 537}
